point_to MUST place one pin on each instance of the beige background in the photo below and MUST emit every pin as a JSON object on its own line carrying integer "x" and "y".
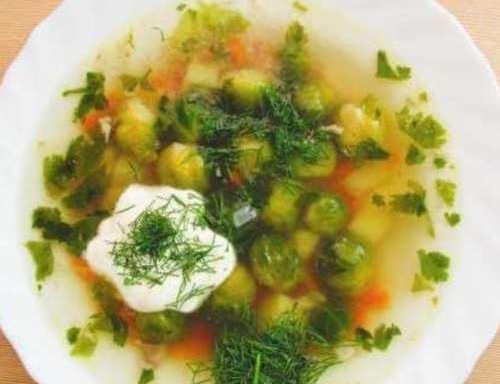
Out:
{"x": 18, "y": 17}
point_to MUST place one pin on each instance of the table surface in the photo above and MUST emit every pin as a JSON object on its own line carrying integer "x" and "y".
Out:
{"x": 18, "y": 17}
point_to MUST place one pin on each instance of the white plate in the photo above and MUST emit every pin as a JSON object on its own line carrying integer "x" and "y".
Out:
{"x": 465, "y": 93}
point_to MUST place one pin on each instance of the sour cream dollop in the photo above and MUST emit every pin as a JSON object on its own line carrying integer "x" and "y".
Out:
{"x": 177, "y": 291}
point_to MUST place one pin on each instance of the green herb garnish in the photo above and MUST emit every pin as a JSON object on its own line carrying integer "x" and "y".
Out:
{"x": 425, "y": 130}
{"x": 72, "y": 335}
{"x": 380, "y": 340}
{"x": 378, "y": 200}
{"x": 447, "y": 191}
{"x": 147, "y": 376}
{"x": 130, "y": 82}
{"x": 440, "y": 162}
{"x": 420, "y": 284}
{"x": 300, "y": 6}
{"x": 410, "y": 203}
{"x": 369, "y": 149}
{"x": 434, "y": 266}
{"x": 415, "y": 156}
{"x": 386, "y": 71}
{"x": 453, "y": 218}
{"x": 295, "y": 60}
{"x": 42, "y": 255}
{"x": 93, "y": 96}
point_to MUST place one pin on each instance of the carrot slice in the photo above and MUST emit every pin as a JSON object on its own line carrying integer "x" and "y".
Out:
{"x": 373, "y": 299}
{"x": 197, "y": 345}
{"x": 238, "y": 52}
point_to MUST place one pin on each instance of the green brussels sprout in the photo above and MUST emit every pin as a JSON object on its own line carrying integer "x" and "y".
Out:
{"x": 329, "y": 324}
{"x": 360, "y": 123}
{"x": 239, "y": 288}
{"x": 345, "y": 266}
{"x": 123, "y": 172}
{"x": 275, "y": 263}
{"x": 244, "y": 89}
{"x": 182, "y": 166}
{"x": 315, "y": 101}
{"x": 273, "y": 307}
{"x": 326, "y": 215}
{"x": 305, "y": 243}
{"x": 160, "y": 327}
{"x": 136, "y": 134}
{"x": 323, "y": 167}
{"x": 281, "y": 210}
{"x": 253, "y": 154}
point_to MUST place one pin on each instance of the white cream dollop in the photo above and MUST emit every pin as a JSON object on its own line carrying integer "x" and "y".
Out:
{"x": 173, "y": 291}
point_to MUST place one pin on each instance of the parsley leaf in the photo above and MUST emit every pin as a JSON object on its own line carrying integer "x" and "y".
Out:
{"x": 386, "y": 71}
{"x": 93, "y": 96}
{"x": 420, "y": 284}
{"x": 411, "y": 203}
{"x": 369, "y": 149}
{"x": 440, "y": 162}
{"x": 72, "y": 335}
{"x": 89, "y": 190}
{"x": 85, "y": 344}
{"x": 378, "y": 200}
{"x": 447, "y": 191}
{"x": 453, "y": 218}
{"x": 426, "y": 131}
{"x": 42, "y": 255}
{"x": 130, "y": 82}
{"x": 380, "y": 340}
{"x": 147, "y": 376}
{"x": 414, "y": 156}
{"x": 434, "y": 266}
{"x": 300, "y": 6}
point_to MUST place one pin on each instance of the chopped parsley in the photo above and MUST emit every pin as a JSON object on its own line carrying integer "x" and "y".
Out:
{"x": 42, "y": 255}
{"x": 181, "y": 7}
{"x": 130, "y": 82}
{"x": 72, "y": 335}
{"x": 147, "y": 376}
{"x": 162, "y": 34}
{"x": 85, "y": 344}
{"x": 447, "y": 191}
{"x": 87, "y": 192}
{"x": 299, "y": 6}
{"x": 410, "y": 203}
{"x": 415, "y": 156}
{"x": 426, "y": 131}
{"x": 386, "y": 71}
{"x": 420, "y": 284}
{"x": 295, "y": 61}
{"x": 440, "y": 162}
{"x": 369, "y": 149}
{"x": 434, "y": 266}
{"x": 423, "y": 97}
{"x": 93, "y": 96}
{"x": 453, "y": 218}
{"x": 378, "y": 200}
{"x": 380, "y": 340}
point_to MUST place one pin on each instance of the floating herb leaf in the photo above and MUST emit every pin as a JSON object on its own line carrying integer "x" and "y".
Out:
{"x": 93, "y": 96}
{"x": 386, "y": 71}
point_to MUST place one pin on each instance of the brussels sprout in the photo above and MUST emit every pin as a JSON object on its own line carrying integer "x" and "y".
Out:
{"x": 345, "y": 266}
{"x": 244, "y": 89}
{"x": 239, "y": 288}
{"x": 326, "y": 215}
{"x": 273, "y": 307}
{"x": 314, "y": 101}
{"x": 275, "y": 263}
{"x": 360, "y": 123}
{"x": 322, "y": 167}
{"x": 253, "y": 154}
{"x": 136, "y": 134}
{"x": 204, "y": 75}
{"x": 124, "y": 172}
{"x": 305, "y": 243}
{"x": 160, "y": 327}
{"x": 182, "y": 166}
{"x": 328, "y": 323}
{"x": 281, "y": 210}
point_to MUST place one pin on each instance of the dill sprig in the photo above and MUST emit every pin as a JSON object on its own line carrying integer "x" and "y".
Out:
{"x": 280, "y": 354}
{"x": 156, "y": 247}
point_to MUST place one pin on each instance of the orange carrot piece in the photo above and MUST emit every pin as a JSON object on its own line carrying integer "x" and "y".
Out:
{"x": 238, "y": 52}
{"x": 236, "y": 179}
{"x": 373, "y": 299}
{"x": 197, "y": 345}
{"x": 83, "y": 270}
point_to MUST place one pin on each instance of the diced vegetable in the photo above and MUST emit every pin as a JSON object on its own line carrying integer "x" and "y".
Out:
{"x": 182, "y": 166}
{"x": 273, "y": 307}
{"x": 326, "y": 215}
{"x": 253, "y": 155}
{"x": 239, "y": 288}
{"x": 275, "y": 263}
{"x": 136, "y": 133}
{"x": 204, "y": 75}
{"x": 345, "y": 265}
{"x": 322, "y": 166}
{"x": 366, "y": 178}
{"x": 305, "y": 243}
{"x": 371, "y": 223}
{"x": 315, "y": 101}
{"x": 160, "y": 327}
{"x": 281, "y": 210}
{"x": 244, "y": 89}
{"x": 124, "y": 172}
